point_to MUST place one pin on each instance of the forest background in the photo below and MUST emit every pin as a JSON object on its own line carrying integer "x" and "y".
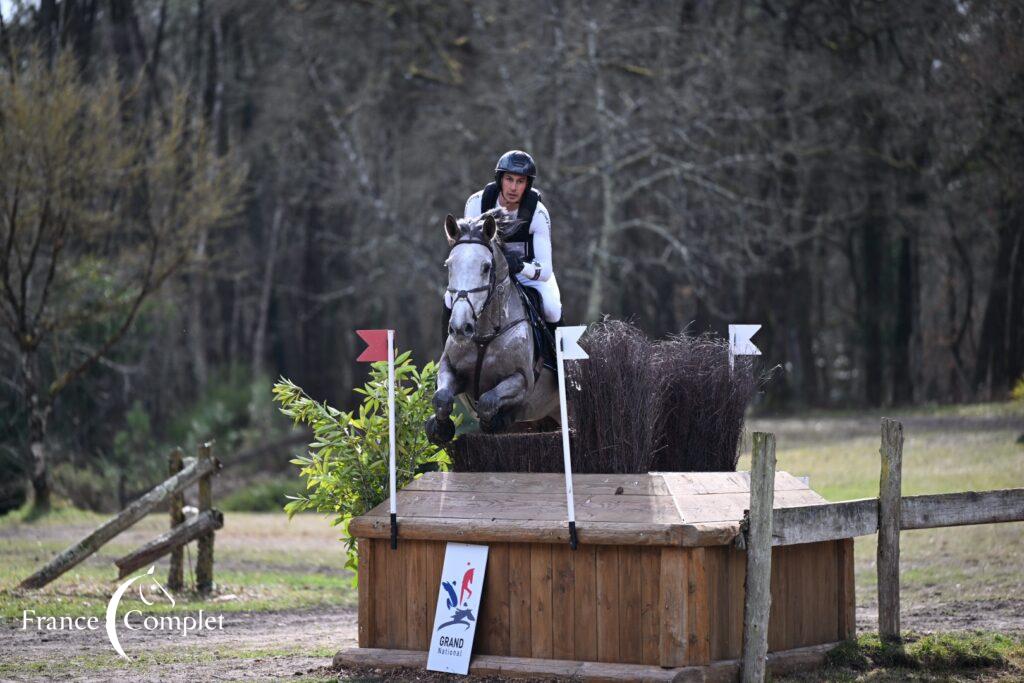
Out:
{"x": 201, "y": 196}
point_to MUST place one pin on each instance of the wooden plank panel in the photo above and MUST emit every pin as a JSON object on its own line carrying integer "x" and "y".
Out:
{"x": 630, "y": 606}
{"x": 717, "y": 570}
{"x": 737, "y": 568}
{"x": 698, "y": 624}
{"x": 535, "y": 482}
{"x": 696, "y": 483}
{"x": 417, "y": 631}
{"x": 717, "y": 507}
{"x": 381, "y": 592}
{"x": 366, "y": 578}
{"x": 533, "y": 506}
{"x": 585, "y": 603}
{"x": 493, "y": 629}
{"x": 846, "y": 594}
{"x": 650, "y": 621}
{"x": 562, "y": 601}
{"x": 519, "y": 600}
{"x": 607, "y": 566}
{"x": 435, "y": 551}
{"x": 673, "y": 607}
{"x": 778, "y": 628}
{"x": 486, "y": 530}
{"x": 540, "y": 600}
{"x": 395, "y": 631}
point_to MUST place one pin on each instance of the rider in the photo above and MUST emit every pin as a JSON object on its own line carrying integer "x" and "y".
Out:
{"x": 528, "y": 248}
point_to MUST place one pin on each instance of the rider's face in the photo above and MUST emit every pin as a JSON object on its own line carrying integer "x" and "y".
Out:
{"x": 513, "y": 186}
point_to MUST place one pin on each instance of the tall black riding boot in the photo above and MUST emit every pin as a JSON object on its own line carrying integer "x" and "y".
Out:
{"x": 551, "y": 329}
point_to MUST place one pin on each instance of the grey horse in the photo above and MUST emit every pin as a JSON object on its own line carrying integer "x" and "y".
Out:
{"x": 488, "y": 359}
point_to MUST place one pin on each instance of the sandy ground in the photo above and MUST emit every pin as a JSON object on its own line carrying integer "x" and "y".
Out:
{"x": 300, "y": 630}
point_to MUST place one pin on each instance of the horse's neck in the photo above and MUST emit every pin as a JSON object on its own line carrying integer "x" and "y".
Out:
{"x": 501, "y": 308}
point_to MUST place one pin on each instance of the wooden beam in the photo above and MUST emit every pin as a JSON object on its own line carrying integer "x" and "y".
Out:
{"x": 543, "y": 531}
{"x": 175, "y": 570}
{"x": 169, "y": 541}
{"x": 130, "y": 515}
{"x": 778, "y": 664}
{"x": 835, "y": 521}
{"x": 758, "y": 599}
{"x": 959, "y": 509}
{"x": 889, "y": 509}
{"x": 204, "y": 551}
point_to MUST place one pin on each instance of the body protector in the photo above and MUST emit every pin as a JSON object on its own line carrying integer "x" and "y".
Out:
{"x": 521, "y": 238}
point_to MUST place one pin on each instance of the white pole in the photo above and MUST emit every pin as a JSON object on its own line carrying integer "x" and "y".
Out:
{"x": 565, "y": 437}
{"x": 391, "y": 437}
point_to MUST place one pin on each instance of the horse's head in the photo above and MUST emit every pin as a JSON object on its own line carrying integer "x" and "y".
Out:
{"x": 475, "y": 268}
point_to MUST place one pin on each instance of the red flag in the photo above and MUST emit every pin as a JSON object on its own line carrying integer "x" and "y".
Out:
{"x": 376, "y": 345}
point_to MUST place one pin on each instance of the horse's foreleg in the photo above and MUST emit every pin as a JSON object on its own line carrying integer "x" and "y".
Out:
{"x": 448, "y": 387}
{"x": 510, "y": 391}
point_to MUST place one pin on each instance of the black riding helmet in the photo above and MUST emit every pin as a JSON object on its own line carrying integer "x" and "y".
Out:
{"x": 516, "y": 161}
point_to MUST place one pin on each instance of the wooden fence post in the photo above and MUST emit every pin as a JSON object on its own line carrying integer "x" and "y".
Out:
{"x": 175, "y": 573}
{"x": 758, "y": 599}
{"x": 889, "y": 506}
{"x": 204, "y": 555}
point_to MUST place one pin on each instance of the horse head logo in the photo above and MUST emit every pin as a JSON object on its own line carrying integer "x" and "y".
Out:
{"x": 115, "y": 600}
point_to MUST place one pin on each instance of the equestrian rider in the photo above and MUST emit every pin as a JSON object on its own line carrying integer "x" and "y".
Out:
{"x": 528, "y": 248}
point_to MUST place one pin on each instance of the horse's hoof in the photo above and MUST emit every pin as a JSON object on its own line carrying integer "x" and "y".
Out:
{"x": 443, "y": 403}
{"x": 439, "y": 432}
{"x": 487, "y": 408}
{"x": 501, "y": 422}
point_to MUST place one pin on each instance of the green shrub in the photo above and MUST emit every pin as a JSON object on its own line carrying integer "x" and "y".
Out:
{"x": 1018, "y": 390}
{"x": 264, "y": 496}
{"x": 346, "y": 467}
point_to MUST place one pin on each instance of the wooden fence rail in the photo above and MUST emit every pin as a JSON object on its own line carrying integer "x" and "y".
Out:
{"x": 194, "y": 469}
{"x": 886, "y": 515}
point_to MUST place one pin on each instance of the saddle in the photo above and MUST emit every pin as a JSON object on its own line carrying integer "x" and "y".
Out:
{"x": 543, "y": 342}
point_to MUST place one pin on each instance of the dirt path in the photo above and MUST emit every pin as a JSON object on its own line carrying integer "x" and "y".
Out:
{"x": 251, "y": 646}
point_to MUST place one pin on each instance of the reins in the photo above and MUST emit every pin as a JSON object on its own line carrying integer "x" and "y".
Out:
{"x": 482, "y": 342}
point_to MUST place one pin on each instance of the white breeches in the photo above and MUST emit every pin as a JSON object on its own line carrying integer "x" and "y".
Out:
{"x": 551, "y": 298}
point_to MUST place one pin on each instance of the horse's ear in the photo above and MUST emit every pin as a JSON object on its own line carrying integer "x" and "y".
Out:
{"x": 451, "y": 228}
{"x": 490, "y": 228}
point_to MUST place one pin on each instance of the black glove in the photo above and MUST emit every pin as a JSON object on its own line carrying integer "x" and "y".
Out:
{"x": 515, "y": 262}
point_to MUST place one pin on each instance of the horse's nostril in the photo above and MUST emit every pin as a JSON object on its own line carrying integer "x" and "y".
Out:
{"x": 468, "y": 328}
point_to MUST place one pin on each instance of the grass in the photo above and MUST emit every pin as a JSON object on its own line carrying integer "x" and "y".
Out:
{"x": 263, "y": 563}
{"x": 271, "y": 565}
{"x": 976, "y": 655}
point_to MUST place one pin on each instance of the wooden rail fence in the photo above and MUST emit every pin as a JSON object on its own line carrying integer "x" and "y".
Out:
{"x": 183, "y": 473}
{"x": 886, "y": 515}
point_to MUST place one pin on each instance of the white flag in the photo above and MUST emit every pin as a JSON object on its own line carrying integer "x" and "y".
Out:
{"x": 571, "y": 349}
{"x": 739, "y": 342}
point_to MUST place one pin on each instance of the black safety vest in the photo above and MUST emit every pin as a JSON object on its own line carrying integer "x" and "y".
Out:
{"x": 527, "y": 207}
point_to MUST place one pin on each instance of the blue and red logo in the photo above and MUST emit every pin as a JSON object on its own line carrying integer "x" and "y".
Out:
{"x": 459, "y": 604}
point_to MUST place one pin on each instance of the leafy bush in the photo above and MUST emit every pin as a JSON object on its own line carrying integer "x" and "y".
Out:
{"x": 346, "y": 467}
{"x": 264, "y": 496}
{"x": 1018, "y": 390}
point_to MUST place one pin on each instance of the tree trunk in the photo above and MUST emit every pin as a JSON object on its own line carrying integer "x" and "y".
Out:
{"x": 38, "y": 415}
{"x": 991, "y": 374}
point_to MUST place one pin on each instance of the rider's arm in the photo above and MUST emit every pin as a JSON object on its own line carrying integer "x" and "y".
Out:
{"x": 540, "y": 228}
{"x": 472, "y": 209}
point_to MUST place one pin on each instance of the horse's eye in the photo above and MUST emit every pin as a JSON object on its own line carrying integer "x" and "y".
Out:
{"x": 487, "y": 268}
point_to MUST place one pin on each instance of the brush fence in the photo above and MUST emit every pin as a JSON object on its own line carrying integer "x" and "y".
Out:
{"x": 657, "y": 579}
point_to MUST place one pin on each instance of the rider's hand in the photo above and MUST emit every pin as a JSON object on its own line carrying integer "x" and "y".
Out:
{"x": 515, "y": 262}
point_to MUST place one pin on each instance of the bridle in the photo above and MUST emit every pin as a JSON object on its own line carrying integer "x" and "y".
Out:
{"x": 482, "y": 342}
{"x": 489, "y": 287}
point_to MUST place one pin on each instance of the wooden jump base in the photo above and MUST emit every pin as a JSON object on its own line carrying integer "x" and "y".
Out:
{"x": 656, "y": 586}
{"x": 779, "y": 663}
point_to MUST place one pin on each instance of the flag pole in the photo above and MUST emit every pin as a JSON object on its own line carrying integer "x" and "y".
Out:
{"x": 573, "y": 542}
{"x": 391, "y": 438}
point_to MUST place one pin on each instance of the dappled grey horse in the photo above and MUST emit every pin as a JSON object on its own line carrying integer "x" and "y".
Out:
{"x": 488, "y": 359}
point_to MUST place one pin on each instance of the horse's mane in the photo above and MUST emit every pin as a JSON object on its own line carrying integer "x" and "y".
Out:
{"x": 474, "y": 227}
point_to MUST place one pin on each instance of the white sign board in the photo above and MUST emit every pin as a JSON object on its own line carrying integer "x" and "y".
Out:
{"x": 458, "y": 606}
